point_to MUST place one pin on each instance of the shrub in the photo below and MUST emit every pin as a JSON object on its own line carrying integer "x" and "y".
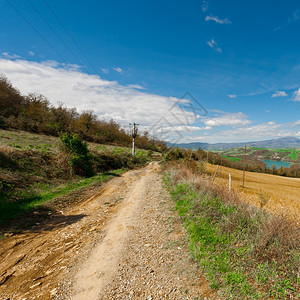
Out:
{"x": 79, "y": 157}
{"x": 173, "y": 155}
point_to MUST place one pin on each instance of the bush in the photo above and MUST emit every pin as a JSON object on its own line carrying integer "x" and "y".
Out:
{"x": 173, "y": 155}
{"x": 79, "y": 157}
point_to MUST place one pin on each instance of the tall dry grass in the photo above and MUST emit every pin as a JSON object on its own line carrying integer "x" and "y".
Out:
{"x": 271, "y": 239}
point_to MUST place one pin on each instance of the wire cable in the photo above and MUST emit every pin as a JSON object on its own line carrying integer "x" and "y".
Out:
{"x": 70, "y": 36}
{"x": 36, "y": 31}
{"x": 57, "y": 35}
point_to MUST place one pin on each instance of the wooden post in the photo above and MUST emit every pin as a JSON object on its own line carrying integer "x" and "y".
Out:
{"x": 212, "y": 181}
{"x": 244, "y": 167}
{"x": 221, "y": 166}
{"x": 229, "y": 183}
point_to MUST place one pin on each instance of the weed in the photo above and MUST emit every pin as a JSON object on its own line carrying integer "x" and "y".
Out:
{"x": 264, "y": 198}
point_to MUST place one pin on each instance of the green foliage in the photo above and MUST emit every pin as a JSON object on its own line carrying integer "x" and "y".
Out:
{"x": 173, "y": 155}
{"x": 78, "y": 152}
{"x": 232, "y": 158}
{"x": 30, "y": 199}
{"x": 47, "y": 167}
{"x": 294, "y": 155}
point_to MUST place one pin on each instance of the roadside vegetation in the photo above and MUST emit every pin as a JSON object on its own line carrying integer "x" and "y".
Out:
{"x": 244, "y": 252}
{"x": 36, "y": 168}
{"x": 48, "y": 152}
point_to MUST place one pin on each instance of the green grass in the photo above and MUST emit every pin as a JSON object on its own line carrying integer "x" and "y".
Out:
{"x": 28, "y": 201}
{"x": 232, "y": 154}
{"x": 34, "y": 170}
{"x": 294, "y": 155}
{"x": 232, "y": 158}
{"x": 223, "y": 238}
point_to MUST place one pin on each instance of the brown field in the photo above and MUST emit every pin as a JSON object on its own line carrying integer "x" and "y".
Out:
{"x": 282, "y": 193}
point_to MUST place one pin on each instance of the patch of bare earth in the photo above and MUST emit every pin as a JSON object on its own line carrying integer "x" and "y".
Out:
{"x": 126, "y": 242}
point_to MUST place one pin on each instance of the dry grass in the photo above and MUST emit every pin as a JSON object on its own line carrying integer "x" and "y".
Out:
{"x": 246, "y": 252}
{"x": 276, "y": 194}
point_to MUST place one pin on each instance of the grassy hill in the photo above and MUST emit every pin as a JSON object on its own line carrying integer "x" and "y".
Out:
{"x": 34, "y": 169}
{"x": 285, "y": 142}
{"x": 254, "y": 153}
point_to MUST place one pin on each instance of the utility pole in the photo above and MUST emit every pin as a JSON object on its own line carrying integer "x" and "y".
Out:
{"x": 244, "y": 167}
{"x": 134, "y": 134}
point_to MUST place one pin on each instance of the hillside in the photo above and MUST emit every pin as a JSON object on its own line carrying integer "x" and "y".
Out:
{"x": 35, "y": 168}
{"x": 286, "y": 142}
{"x": 254, "y": 153}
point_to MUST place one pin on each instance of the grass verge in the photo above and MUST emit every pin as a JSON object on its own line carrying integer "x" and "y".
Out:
{"x": 29, "y": 200}
{"x": 244, "y": 252}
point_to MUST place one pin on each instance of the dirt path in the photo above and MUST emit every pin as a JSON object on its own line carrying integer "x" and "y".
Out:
{"x": 123, "y": 243}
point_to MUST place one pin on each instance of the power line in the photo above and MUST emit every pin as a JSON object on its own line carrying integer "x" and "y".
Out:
{"x": 70, "y": 36}
{"x": 36, "y": 31}
{"x": 57, "y": 35}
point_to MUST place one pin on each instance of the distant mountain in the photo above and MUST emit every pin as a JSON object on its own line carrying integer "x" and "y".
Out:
{"x": 286, "y": 142}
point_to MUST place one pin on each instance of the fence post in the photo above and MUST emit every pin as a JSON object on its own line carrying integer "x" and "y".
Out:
{"x": 213, "y": 179}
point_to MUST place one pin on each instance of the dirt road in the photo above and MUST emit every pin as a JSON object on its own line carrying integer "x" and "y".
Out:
{"x": 123, "y": 243}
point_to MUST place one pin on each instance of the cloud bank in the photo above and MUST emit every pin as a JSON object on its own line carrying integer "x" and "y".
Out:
{"x": 131, "y": 103}
{"x": 108, "y": 99}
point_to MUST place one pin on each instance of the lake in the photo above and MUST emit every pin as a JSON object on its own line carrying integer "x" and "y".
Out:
{"x": 278, "y": 164}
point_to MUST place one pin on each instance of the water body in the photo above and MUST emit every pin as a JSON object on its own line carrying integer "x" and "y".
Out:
{"x": 278, "y": 164}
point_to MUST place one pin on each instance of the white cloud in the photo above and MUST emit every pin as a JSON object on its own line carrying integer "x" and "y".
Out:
{"x": 108, "y": 99}
{"x": 136, "y": 86}
{"x": 296, "y": 96}
{"x": 183, "y": 128}
{"x": 279, "y": 94}
{"x": 105, "y": 71}
{"x": 9, "y": 56}
{"x": 204, "y": 6}
{"x": 213, "y": 44}
{"x": 228, "y": 119}
{"x": 217, "y": 19}
{"x": 118, "y": 69}
{"x": 31, "y": 53}
{"x": 232, "y": 96}
{"x": 296, "y": 123}
{"x": 248, "y": 133}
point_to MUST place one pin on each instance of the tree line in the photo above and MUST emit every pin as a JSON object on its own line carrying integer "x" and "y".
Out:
{"x": 35, "y": 113}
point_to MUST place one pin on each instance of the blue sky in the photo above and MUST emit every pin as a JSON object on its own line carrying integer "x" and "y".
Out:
{"x": 133, "y": 61}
